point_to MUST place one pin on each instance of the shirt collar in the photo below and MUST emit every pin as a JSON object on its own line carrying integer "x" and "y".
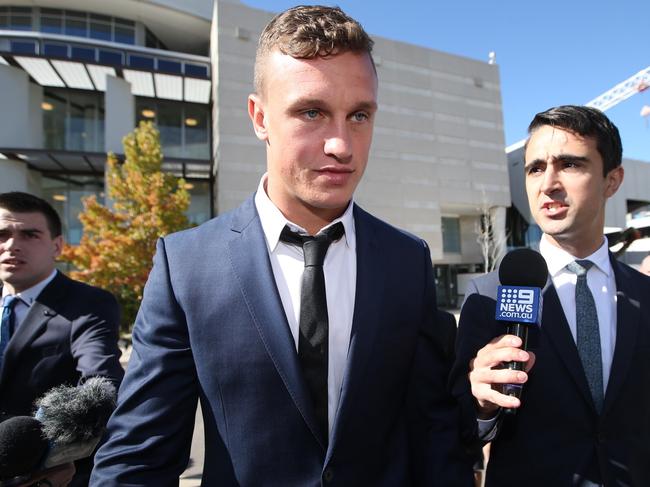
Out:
{"x": 557, "y": 258}
{"x": 273, "y": 221}
{"x": 28, "y": 296}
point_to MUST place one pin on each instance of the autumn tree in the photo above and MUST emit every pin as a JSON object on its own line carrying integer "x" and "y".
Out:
{"x": 119, "y": 238}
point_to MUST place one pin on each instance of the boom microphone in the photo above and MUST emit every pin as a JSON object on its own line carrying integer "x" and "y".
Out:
{"x": 67, "y": 426}
{"x": 522, "y": 274}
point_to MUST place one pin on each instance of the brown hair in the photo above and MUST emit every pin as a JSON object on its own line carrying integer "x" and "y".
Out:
{"x": 306, "y": 32}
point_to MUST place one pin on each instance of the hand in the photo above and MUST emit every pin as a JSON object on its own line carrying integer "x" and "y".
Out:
{"x": 486, "y": 375}
{"x": 58, "y": 476}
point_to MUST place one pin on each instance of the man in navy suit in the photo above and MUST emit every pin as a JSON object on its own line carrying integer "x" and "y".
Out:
{"x": 55, "y": 331}
{"x": 584, "y": 415}
{"x": 360, "y": 401}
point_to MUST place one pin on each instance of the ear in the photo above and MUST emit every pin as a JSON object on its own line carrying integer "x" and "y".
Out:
{"x": 58, "y": 246}
{"x": 256, "y": 113}
{"x": 614, "y": 179}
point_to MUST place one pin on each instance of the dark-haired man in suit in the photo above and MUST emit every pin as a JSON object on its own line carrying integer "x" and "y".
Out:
{"x": 54, "y": 330}
{"x": 584, "y": 415}
{"x": 298, "y": 320}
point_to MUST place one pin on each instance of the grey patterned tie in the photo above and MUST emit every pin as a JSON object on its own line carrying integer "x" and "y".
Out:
{"x": 587, "y": 334}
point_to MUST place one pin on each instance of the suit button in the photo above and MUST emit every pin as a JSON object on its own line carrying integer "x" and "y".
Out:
{"x": 600, "y": 437}
{"x": 328, "y": 475}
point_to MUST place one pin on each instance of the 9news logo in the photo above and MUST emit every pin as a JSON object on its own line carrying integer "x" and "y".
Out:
{"x": 518, "y": 303}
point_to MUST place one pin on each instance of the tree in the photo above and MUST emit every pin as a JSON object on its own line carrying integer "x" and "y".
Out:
{"x": 119, "y": 239}
{"x": 491, "y": 235}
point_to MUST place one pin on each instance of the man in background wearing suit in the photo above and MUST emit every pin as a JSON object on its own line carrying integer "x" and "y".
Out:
{"x": 54, "y": 330}
{"x": 308, "y": 373}
{"x": 584, "y": 415}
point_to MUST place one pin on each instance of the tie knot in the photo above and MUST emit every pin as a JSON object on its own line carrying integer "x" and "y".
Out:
{"x": 10, "y": 301}
{"x": 314, "y": 248}
{"x": 580, "y": 267}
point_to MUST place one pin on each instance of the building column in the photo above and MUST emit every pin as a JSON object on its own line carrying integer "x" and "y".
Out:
{"x": 119, "y": 105}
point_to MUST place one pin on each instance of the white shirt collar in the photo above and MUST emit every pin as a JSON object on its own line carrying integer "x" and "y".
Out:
{"x": 28, "y": 296}
{"x": 273, "y": 221}
{"x": 557, "y": 258}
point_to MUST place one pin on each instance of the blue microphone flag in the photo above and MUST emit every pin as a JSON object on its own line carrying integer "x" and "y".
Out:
{"x": 518, "y": 304}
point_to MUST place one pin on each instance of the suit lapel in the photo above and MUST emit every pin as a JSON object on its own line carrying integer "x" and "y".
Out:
{"x": 250, "y": 262}
{"x": 556, "y": 328}
{"x": 35, "y": 321}
{"x": 628, "y": 316}
{"x": 366, "y": 319}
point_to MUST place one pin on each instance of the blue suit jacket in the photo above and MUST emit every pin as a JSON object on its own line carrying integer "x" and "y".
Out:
{"x": 557, "y": 438}
{"x": 212, "y": 326}
{"x": 69, "y": 334}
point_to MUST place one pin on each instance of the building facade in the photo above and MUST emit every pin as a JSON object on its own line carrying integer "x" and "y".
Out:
{"x": 77, "y": 80}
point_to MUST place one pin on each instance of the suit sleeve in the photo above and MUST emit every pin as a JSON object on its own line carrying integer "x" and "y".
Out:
{"x": 475, "y": 330}
{"x": 149, "y": 435}
{"x": 94, "y": 337}
{"x": 438, "y": 455}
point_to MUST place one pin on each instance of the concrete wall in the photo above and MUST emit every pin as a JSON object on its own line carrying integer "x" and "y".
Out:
{"x": 16, "y": 126}
{"x": 636, "y": 186}
{"x": 120, "y": 112}
{"x": 438, "y": 143}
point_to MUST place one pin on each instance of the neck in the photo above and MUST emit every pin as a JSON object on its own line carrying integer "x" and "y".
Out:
{"x": 577, "y": 247}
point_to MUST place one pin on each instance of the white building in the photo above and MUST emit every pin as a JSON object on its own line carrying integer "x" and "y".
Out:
{"x": 75, "y": 81}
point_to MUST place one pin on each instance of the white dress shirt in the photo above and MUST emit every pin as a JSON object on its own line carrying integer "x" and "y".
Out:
{"x": 602, "y": 284}
{"x": 340, "y": 269}
{"x": 27, "y": 298}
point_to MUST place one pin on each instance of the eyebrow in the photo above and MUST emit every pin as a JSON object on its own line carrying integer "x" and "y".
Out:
{"x": 319, "y": 102}
{"x": 560, "y": 158}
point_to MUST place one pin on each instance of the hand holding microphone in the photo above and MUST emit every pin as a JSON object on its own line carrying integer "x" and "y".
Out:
{"x": 499, "y": 370}
{"x": 68, "y": 426}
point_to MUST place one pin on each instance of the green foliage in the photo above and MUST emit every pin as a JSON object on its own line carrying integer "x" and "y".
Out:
{"x": 119, "y": 239}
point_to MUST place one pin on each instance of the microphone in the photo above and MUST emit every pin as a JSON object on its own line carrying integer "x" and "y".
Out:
{"x": 69, "y": 423}
{"x": 522, "y": 274}
{"x": 22, "y": 446}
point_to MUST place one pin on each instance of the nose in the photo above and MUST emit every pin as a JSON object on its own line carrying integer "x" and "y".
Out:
{"x": 338, "y": 143}
{"x": 550, "y": 180}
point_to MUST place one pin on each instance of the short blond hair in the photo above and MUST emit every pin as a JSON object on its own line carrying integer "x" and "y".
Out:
{"x": 310, "y": 31}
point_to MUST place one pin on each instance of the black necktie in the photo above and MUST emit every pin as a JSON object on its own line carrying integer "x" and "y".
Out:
{"x": 314, "y": 331}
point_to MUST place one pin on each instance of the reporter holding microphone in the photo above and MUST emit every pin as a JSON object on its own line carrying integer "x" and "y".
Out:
{"x": 583, "y": 418}
{"x": 54, "y": 330}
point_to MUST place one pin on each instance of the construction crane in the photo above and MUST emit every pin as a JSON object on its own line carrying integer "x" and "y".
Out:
{"x": 622, "y": 91}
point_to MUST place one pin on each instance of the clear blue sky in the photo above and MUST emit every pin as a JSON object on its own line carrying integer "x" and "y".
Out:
{"x": 549, "y": 53}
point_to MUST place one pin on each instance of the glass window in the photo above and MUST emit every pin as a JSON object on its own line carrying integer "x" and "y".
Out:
{"x": 83, "y": 53}
{"x": 76, "y": 27}
{"x": 141, "y": 62}
{"x": 3, "y": 21}
{"x": 82, "y": 130}
{"x": 110, "y": 57}
{"x": 23, "y": 47}
{"x": 199, "y": 210}
{"x": 52, "y": 25}
{"x": 124, "y": 35}
{"x": 66, "y": 196}
{"x": 169, "y": 121}
{"x": 196, "y": 70}
{"x": 100, "y": 30}
{"x": 184, "y": 127}
{"x": 169, "y": 66}
{"x": 55, "y": 50}
{"x": 73, "y": 120}
{"x": 54, "y": 115}
{"x": 51, "y": 11}
{"x": 20, "y": 22}
{"x": 450, "y": 234}
{"x": 101, "y": 18}
{"x": 197, "y": 132}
